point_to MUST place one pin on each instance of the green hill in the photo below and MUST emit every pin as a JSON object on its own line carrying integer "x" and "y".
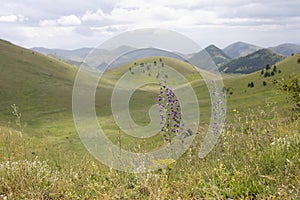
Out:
{"x": 252, "y": 62}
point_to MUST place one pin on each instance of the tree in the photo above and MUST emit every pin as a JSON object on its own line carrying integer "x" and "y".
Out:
{"x": 264, "y": 83}
{"x": 274, "y": 68}
{"x": 268, "y": 67}
{"x": 298, "y": 61}
{"x": 262, "y": 72}
{"x": 272, "y": 73}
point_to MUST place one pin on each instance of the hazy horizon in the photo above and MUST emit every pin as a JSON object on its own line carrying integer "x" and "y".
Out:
{"x": 91, "y": 47}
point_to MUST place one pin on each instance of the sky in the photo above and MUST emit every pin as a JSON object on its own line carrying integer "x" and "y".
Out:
{"x": 72, "y": 24}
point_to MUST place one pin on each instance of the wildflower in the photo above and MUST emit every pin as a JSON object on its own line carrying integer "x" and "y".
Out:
{"x": 168, "y": 101}
{"x": 3, "y": 196}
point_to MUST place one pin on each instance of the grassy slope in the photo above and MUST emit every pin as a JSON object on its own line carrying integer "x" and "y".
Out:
{"x": 42, "y": 89}
{"x": 38, "y": 84}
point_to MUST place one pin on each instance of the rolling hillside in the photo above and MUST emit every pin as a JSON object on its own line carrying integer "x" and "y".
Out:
{"x": 42, "y": 88}
{"x": 252, "y": 62}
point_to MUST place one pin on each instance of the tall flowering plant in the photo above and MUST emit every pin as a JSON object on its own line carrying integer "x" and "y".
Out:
{"x": 170, "y": 111}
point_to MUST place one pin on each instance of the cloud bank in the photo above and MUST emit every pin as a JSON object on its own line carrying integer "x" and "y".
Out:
{"x": 65, "y": 24}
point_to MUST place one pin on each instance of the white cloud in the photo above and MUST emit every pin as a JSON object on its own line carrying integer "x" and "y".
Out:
{"x": 150, "y": 16}
{"x": 93, "y": 16}
{"x": 9, "y": 18}
{"x": 48, "y": 22}
{"x": 12, "y": 18}
{"x": 70, "y": 20}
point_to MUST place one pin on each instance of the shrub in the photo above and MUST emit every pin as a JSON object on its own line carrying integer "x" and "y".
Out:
{"x": 292, "y": 87}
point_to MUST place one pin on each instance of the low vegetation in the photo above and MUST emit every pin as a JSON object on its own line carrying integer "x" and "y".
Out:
{"x": 257, "y": 157}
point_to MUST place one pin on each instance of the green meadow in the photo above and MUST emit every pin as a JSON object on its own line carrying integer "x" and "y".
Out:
{"x": 41, "y": 156}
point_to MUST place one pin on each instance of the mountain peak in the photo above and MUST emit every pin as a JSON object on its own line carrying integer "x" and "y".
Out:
{"x": 239, "y": 49}
{"x": 216, "y": 54}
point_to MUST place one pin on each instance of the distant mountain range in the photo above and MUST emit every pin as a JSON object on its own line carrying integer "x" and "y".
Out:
{"x": 75, "y": 55}
{"x": 286, "y": 49}
{"x": 239, "y": 57}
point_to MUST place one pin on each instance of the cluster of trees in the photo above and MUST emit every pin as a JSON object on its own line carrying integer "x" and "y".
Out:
{"x": 269, "y": 71}
{"x": 148, "y": 66}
